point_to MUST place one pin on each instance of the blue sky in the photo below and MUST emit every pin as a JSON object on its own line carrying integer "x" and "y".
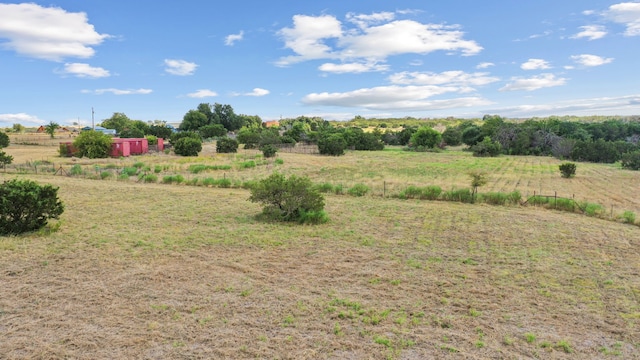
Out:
{"x": 155, "y": 60}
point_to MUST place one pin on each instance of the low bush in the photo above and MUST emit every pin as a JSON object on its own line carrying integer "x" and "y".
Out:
{"x": 227, "y": 145}
{"x": 567, "y": 170}
{"x": 422, "y": 193}
{"x": 631, "y": 160}
{"x": 92, "y": 144}
{"x": 324, "y": 187}
{"x": 629, "y": 217}
{"x": 129, "y": 171}
{"x": 106, "y": 175}
{"x": 27, "y": 206}
{"x": 358, "y": 190}
{"x": 148, "y": 178}
{"x": 268, "y": 150}
{"x": 288, "y": 199}
{"x": 459, "y": 195}
{"x": 188, "y": 146}
{"x": 76, "y": 170}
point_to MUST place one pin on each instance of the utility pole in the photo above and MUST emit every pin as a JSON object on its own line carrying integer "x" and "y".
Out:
{"x": 93, "y": 125}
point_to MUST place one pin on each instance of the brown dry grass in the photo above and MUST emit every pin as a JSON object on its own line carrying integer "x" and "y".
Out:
{"x": 159, "y": 271}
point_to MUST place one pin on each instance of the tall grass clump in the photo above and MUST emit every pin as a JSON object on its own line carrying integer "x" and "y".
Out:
{"x": 170, "y": 179}
{"x": 629, "y": 217}
{"x": 459, "y": 195}
{"x": 423, "y": 193}
{"x": 247, "y": 164}
{"x": 148, "y": 178}
{"x": 358, "y": 190}
{"x": 592, "y": 209}
{"x": 130, "y": 171}
{"x": 76, "y": 170}
{"x": 324, "y": 187}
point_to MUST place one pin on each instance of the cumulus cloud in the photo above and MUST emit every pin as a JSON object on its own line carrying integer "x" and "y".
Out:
{"x": 202, "y": 93}
{"x": 256, "y": 92}
{"x": 459, "y": 78}
{"x": 408, "y": 98}
{"x": 48, "y": 33}
{"x": 534, "y": 83}
{"x": 19, "y": 118}
{"x": 118, "y": 91}
{"x": 591, "y": 32}
{"x": 627, "y": 14}
{"x": 376, "y": 37}
{"x": 535, "y": 64}
{"x": 352, "y": 68}
{"x": 85, "y": 70}
{"x": 179, "y": 67}
{"x": 231, "y": 39}
{"x": 590, "y": 60}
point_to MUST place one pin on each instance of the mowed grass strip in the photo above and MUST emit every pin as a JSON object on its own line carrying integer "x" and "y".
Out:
{"x": 150, "y": 270}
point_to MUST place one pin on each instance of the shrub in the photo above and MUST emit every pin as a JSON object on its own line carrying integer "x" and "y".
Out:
{"x": 184, "y": 134}
{"x": 132, "y": 133}
{"x": 461, "y": 195}
{"x": 425, "y": 137}
{"x": 629, "y": 217}
{"x": 567, "y": 170}
{"x": 288, "y": 199}
{"x": 423, "y": 193}
{"x": 26, "y": 206}
{"x": 4, "y": 140}
{"x": 279, "y": 161}
{"x": 188, "y": 146}
{"x": 129, "y": 171}
{"x": 324, "y": 187}
{"x": 333, "y": 144}
{"x": 148, "y": 178}
{"x": 227, "y": 145}
{"x": 5, "y": 159}
{"x": 76, "y": 170}
{"x": 152, "y": 140}
{"x": 92, "y": 144}
{"x": 105, "y": 175}
{"x": 138, "y": 165}
{"x": 268, "y": 150}
{"x": 212, "y": 131}
{"x": 631, "y": 160}
{"x": 358, "y": 190}
{"x": 486, "y": 148}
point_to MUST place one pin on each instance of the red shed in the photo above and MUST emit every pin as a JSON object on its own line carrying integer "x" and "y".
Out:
{"x": 160, "y": 144}
{"x": 120, "y": 148}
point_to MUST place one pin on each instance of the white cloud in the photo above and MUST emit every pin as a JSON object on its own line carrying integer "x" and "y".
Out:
{"x": 534, "y": 83}
{"x": 323, "y": 37}
{"x": 408, "y": 98}
{"x": 20, "y": 118}
{"x": 485, "y": 65}
{"x": 588, "y": 12}
{"x": 85, "y": 70}
{"x": 256, "y": 92}
{"x": 202, "y": 93}
{"x": 179, "y": 67}
{"x": 118, "y": 91}
{"x": 48, "y": 33}
{"x": 622, "y": 105}
{"x": 459, "y": 78}
{"x": 590, "y": 60}
{"x": 352, "y": 68}
{"x": 535, "y": 64}
{"x": 591, "y": 32}
{"x": 231, "y": 39}
{"x": 364, "y": 21}
{"x": 628, "y": 14}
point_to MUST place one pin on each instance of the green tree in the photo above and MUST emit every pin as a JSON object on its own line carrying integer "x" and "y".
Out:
{"x": 4, "y": 140}
{"x": 5, "y": 159}
{"x": 161, "y": 131}
{"x": 18, "y": 128}
{"x": 193, "y": 120}
{"x": 117, "y": 121}
{"x": 27, "y": 206}
{"x": 425, "y": 138}
{"x": 227, "y": 145}
{"x": 471, "y": 135}
{"x": 224, "y": 114}
{"x": 92, "y": 144}
{"x": 289, "y": 199}
{"x": 332, "y": 144}
{"x": 212, "y": 131}
{"x": 478, "y": 178}
{"x": 452, "y": 136}
{"x": 51, "y": 128}
{"x": 188, "y": 146}
{"x": 131, "y": 133}
{"x": 486, "y": 148}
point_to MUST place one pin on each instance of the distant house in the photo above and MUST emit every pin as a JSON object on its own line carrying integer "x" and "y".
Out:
{"x": 101, "y": 129}
{"x": 271, "y": 123}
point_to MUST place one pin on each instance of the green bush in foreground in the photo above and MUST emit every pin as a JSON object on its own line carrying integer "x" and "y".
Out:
{"x": 289, "y": 199}
{"x": 26, "y": 206}
{"x": 188, "y": 146}
{"x": 92, "y": 144}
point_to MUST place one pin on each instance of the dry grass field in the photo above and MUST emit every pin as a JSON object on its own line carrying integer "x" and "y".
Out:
{"x": 158, "y": 271}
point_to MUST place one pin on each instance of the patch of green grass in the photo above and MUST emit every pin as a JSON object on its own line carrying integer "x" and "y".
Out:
{"x": 289, "y": 320}
{"x": 530, "y": 338}
{"x": 358, "y": 190}
{"x": 474, "y": 313}
{"x": 565, "y": 346}
{"x": 382, "y": 341}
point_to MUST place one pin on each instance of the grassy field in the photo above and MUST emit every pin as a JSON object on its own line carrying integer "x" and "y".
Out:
{"x": 171, "y": 271}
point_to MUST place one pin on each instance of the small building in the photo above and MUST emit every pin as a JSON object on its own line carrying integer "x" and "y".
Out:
{"x": 271, "y": 123}
{"x": 101, "y": 129}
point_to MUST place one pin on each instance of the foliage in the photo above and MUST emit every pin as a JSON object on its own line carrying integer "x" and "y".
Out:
{"x": 152, "y": 139}
{"x": 227, "y": 145}
{"x": 268, "y": 150}
{"x": 188, "y": 146}
{"x": 358, "y": 190}
{"x": 117, "y": 121}
{"x": 332, "y": 144}
{"x": 631, "y": 160}
{"x": 160, "y": 131}
{"x": 452, "y": 136}
{"x": 471, "y": 135}
{"x": 5, "y": 159}
{"x": 51, "y": 128}
{"x": 4, "y": 140}
{"x": 92, "y": 144}
{"x": 567, "y": 169}
{"x": 629, "y": 217}
{"x": 76, "y": 170}
{"x": 425, "y": 137}
{"x": 478, "y": 178}
{"x": 422, "y": 193}
{"x": 193, "y": 120}
{"x": 486, "y": 148}
{"x": 26, "y": 206}
{"x": 460, "y": 195}
{"x": 18, "y": 128}
{"x": 131, "y": 133}
{"x": 212, "y": 131}
{"x": 288, "y": 199}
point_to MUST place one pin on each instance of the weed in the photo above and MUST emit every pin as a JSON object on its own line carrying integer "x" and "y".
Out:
{"x": 337, "y": 330}
{"x": 450, "y": 349}
{"x": 138, "y": 165}
{"x": 474, "y": 312}
{"x": 508, "y": 340}
{"x": 564, "y": 346}
{"x": 324, "y": 187}
{"x": 614, "y": 350}
{"x": 279, "y": 161}
{"x": 358, "y": 190}
{"x": 479, "y": 344}
{"x": 546, "y": 344}
{"x": 459, "y": 195}
{"x": 469, "y": 261}
{"x": 245, "y": 293}
{"x": 76, "y": 170}
{"x": 382, "y": 341}
{"x": 530, "y": 337}
{"x": 130, "y": 171}
{"x": 106, "y": 175}
{"x": 289, "y": 320}
{"x": 629, "y": 217}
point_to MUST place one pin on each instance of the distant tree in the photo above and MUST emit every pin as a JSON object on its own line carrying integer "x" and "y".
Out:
{"x": 452, "y": 136}
{"x": 478, "y": 178}
{"x": 471, "y": 135}
{"x": 160, "y": 131}
{"x": 117, "y": 121}
{"x": 227, "y": 145}
{"x": 486, "y": 148}
{"x": 205, "y": 109}
{"x": 332, "y": 144}
{"x": 631, "y": 160}
{"x": 193, "y": 120}
{"x": 5, "y": 159}
{"x": 18, "y": 128}
{"x": 92, "y": 144}
{"x": 51, "y": 128}
{"x": 212, "y": 131}
{"x": 224, "y": 114}
{"x": 4, "y": 140}
{"x": 131, "y": 133}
